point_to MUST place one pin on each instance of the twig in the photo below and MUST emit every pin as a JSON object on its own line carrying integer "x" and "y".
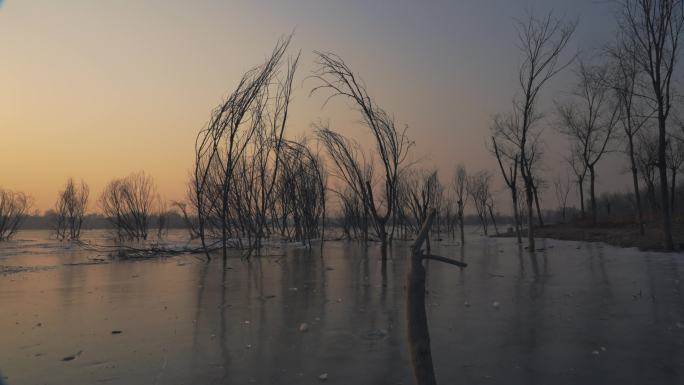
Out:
{"x": 445, "y": 260}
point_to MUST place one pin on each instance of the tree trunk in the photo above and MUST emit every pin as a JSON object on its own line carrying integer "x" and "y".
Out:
{"x": 530, "y": 217}
{"x": 662, "y": 167}
{"x": 536, "y": 203}
{"x": 224, "y": 234}
{"x": 383, "y": 240}
{"x": 580, "y": 187}
{"x": 483, "y": 221}
{"x": 418, "y": 332}
{"x": 365, "y": 224}
{"x": 672, "y": 191}
{"x": 592, "y": 194}
{"x": 635, "y": 182}
{"x": 419, "y": 335}
{"x": 460, "y": 223}
{"x": 514, "y": 196}
{"x": 491, "y": 214}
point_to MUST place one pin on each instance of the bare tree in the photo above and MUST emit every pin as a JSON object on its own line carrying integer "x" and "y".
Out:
{"x": 579, "y": 170}
{"x": 354, "y": 218}
{"x": 589, "y": 121}
{"x": 189, "y": 218}
{"x": 654, "y": 27}
{"x": 417, "y": 325}
{"x": 675, "y": 160}
{"x": 163, "y": 214}
{"x": 508, "y": 159}
{"x": 490, "y": 204}
{"x": 460, "y": 187}
{"x": 541, "y": 42}
{"x": 562, "y": 190}
{"x": 70, "y": 209}
{"x": 13, "y": 209}
{"x": 128, "y": 204}
{"x": 634, "y": 112}
{"x": 479, "y": 191}
{"x": 538, "y": 183}
{"x": 392, "y": 144}
{"x": 647, "y": 161}
{"x": 349, "y": 166}
{"x": 302, "y": 188}
{"x": 236, "y": 155}
{"x": 422, "y": 191}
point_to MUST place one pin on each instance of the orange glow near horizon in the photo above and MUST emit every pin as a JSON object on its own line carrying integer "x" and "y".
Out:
{"x": 97, "y": 90}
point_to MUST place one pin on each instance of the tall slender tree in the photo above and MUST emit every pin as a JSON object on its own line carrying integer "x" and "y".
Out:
{"x": 634, "y": 113}
{"x": 508, "y": 159}
{"x": 655, "y": 27}
{"x": 541, "y": 42}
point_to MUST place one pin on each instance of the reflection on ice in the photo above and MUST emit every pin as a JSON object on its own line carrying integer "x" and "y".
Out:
{"x": 571, "y": 313}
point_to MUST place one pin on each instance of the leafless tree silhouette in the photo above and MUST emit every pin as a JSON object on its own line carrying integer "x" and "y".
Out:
{"x": 302, "y": 188}
{"x": 541, "y": 42}
{"x": 562, "y": 190}
{"x": 189, "y": 218}
{"x": 13, "y": 209}
{"x": 350, "y": 167}
{"x": 128, "y": 203}
{"x": 237, "y": 155}
{"x": 354, "y": 215}
{"x": 508, "y": 159}
{"x": 392, "y": 144}
{"x": 654, "y": 27}
{"x": 674, "y": 157}
{"x": 626, "y": 82}
{"x": 479, "y": 186}
{"x": 420, "y": 191}
{"x": 70, "y": 209}
{"x": 163, "y": 214}
{"x": 460, "y": 187}
{"x": 589, "y": 120}
{"x": 647, "y": 161}
{"x": 579, "y": 171}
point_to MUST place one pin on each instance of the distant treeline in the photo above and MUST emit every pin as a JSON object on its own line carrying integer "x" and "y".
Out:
{"x": 47, "y": 221}
{"x": 93, "y": 221}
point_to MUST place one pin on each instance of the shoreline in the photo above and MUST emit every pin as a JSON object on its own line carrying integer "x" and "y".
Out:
{"x": 620, "y": 235}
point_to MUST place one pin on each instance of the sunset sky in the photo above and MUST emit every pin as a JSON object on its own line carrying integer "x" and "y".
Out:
{"x": 100, "y": 89}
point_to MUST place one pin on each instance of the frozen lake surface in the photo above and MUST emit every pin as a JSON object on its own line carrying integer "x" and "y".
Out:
{"x": 572, "y": 313}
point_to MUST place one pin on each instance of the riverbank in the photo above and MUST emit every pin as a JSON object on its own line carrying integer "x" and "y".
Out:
{"x": 621, "y": 235}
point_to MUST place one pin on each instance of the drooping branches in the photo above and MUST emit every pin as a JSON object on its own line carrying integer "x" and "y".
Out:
{"x": 237, "y": 156}
{"x": 391, "y": 143}
{"x": 301, "y": 186}
{"x": 352, "y": 169}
